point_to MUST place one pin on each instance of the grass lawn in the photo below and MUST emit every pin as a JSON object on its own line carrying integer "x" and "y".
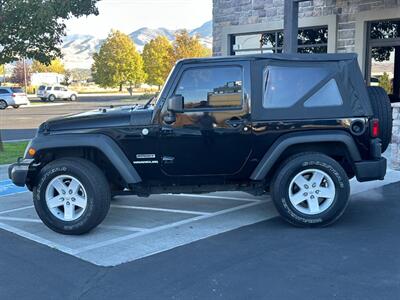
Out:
{"x": 11, "y": 151}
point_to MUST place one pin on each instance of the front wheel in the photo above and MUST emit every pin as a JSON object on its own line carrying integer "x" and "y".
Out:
{"x": 52, "y": 98}
{"x": 72, "y": 196}
{"x": 311, "y": 190}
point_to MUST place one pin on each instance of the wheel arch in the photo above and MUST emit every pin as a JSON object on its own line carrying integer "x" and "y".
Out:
{"x": 94, "y": 147}
{"x": 336, "y": 144}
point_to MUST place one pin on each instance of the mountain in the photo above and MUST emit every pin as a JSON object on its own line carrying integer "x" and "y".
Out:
{"x": 79, "y": 48}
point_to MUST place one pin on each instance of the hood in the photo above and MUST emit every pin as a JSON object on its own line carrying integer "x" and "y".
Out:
{"x": 101, "y": 118}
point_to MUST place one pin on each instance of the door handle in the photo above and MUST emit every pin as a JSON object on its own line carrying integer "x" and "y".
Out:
{"x": 235, "y": 122}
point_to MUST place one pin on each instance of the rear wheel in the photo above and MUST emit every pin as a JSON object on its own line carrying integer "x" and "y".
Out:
{"x": 383, "y": 112}
{"x": 310, "y": 189}
{"x": 72, "y": 196}
{"x": 3, "y": 104}
{"x": 16, "y": 106}
{"x": 73, "y": 98}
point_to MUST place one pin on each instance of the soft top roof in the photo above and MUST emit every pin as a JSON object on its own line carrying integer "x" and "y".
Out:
{"x": 276, "y": 56}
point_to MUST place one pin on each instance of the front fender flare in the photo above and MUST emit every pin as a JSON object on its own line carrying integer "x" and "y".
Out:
{"x": 101, "y": 142}
{"x": 287, "y": 140}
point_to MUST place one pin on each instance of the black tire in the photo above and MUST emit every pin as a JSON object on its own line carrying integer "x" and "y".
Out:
{"x": 97, "y": 190}
{"x": 382, "y": 110}
{"x": 73, "y": 97}
{"x": 52, "y": 98}
{"x": 16, "y": 106}
{"x": 3, "y": 104}
{"x": 301, "y": 162}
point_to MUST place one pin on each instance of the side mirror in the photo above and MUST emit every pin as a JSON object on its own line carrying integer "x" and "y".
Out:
{"x": 175, "y": 104}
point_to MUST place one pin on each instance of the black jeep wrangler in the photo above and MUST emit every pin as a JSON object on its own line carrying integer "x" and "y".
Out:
{"x": 295, "y": 126}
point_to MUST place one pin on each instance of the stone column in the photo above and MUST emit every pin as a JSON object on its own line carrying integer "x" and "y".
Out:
{"x": 395, "y": 147}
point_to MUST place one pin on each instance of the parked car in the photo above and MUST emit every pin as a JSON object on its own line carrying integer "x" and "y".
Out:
{"x": 294, "y": 126}
{"x": 54, "y": 92}
{"x": 12, "y": 96}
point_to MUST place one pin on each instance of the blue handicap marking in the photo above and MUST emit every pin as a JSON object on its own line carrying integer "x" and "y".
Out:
{"x": 8, "y": 188}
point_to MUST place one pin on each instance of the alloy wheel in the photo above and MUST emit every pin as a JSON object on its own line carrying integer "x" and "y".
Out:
{"x": 312, "y": 192}
{"x": 66, "y": 198}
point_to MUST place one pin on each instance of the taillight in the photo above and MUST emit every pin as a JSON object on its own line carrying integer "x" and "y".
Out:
{"x": 375, "y": 128}
{"x": 13, "y": 95}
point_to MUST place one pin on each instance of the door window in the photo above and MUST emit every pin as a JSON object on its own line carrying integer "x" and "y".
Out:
{"x": 217, "y": 87}
{"x": 3, "y": 91}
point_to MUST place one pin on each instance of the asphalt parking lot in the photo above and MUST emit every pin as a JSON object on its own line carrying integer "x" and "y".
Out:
{"x": 357, "y": 258}
{"x": 138, "y": 227}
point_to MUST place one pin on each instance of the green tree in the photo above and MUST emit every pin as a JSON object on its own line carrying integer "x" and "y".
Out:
{"x": 55, "y": 66}
{"x": 186, "y": 46}
{"x": 157, "y": 60}
{"x": 385, "y": 83}
{"x": 118, "y": 62}
{"x": 34, "y": 28}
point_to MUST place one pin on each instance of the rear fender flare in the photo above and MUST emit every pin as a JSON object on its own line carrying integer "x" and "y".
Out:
{"x": 287, "y": 140}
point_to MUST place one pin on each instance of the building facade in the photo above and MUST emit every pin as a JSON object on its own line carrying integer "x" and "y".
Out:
{"x": 239, "y": 25}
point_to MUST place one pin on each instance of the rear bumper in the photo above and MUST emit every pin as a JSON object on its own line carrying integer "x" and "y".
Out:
{"x": 368, "y": 170}
{"x": 18, "y": 172}
{"x": 19, "y": 101}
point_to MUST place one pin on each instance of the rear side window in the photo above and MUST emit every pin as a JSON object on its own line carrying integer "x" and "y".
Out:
{"x": 211, "y": 87}
{"x": 17, "y": 90}
{"x": 328, "y": 95}
{"x": 284, "y": 86}
{"x": 57, "y": 88}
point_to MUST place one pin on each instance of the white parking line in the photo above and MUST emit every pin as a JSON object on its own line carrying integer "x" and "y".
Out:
{"x": 179, "y": 211}
{"x": 217, "y": 197}
{"x": 15, "y": 209}
{"x": 29, "y": 220}
{"x": 127, "y": 228}
{"x": 36, "y": 238}
{"x": 159, "y": 228}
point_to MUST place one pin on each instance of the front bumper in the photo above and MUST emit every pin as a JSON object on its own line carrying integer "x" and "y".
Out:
{"x": 18, "y": 172}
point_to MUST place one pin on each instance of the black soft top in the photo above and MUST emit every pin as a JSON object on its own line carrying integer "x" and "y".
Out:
{"x": 276, "y": 56}
{"x": 343, "y": 68}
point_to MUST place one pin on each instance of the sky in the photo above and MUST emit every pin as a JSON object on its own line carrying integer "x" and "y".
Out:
{"x": 130, "y": 15}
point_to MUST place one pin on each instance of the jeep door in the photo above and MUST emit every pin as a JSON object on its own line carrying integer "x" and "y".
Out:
{"x": 212, "y": 135}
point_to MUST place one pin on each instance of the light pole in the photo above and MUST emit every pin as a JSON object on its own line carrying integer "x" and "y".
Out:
{"x": 291, "y": 24}
{"x": 25, "y": 81}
